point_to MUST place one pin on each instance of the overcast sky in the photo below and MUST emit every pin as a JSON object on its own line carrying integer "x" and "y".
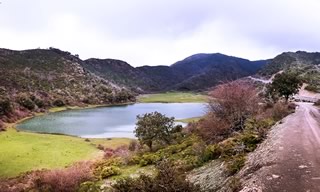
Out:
{"x": 161, "y": 32}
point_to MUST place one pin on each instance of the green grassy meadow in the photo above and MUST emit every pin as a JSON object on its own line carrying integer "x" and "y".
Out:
{"x": 189, "y": 120}
{"x": 173, "y": 97}
{"x": 24, "y": 151}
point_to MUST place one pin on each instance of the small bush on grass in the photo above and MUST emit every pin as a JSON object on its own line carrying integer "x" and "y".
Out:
{"x": 134, "y": 145}
{"x": 89, "y": 186}
{"x": 168, "y": 179}
{"x": 109, "y": 171}
{"x": 111, "y": 162}
{"x": 235, "y": 163}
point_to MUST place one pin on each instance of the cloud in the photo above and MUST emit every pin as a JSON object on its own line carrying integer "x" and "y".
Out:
{"x": 161, "y": 32}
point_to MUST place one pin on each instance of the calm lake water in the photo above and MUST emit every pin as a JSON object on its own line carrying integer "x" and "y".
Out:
{"x": 107, "y": 122}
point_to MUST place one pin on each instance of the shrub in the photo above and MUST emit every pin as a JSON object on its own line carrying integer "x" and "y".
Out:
{"x": 100, "y": 147}
{"x": 121, "y": 152}
{"x": 89, "y": 186}
{"x": 134, "y": 145}
{"x": 108, "y": 153}
{"x": 2, "y": 128}
{"x": 149, "y": 158}
{"x": 213, "y": 129}
{"x": 235, "y": 163}
{"x": 280, "y": 110}
{"x": 5, "y": 106}
{"x": 25, "y": 101}
{"x": 234, "y": 102}
{"x": 259, "y": 126}
{"x": 109, "y": 171}
{"x": 63, "y": 180}
{"x": 111, "y": 162}
{"x": 313, "y": 88}
{"x": 58, "y": 103}
{"x": 39, "y": 102}
{"x": 168, "y": 179}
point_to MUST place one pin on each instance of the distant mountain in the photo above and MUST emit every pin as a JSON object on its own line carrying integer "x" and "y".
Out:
{"x": 197, "y": 72}
{"x": 202, "y": 71}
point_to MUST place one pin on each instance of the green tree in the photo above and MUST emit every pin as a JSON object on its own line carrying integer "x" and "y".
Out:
{"x": 155, "y": 127}
{"x": 284, "y": 85}
{"x": 5, "y": 106}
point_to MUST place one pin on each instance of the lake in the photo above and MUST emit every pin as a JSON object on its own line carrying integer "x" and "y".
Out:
{"x": 107, "y": 122}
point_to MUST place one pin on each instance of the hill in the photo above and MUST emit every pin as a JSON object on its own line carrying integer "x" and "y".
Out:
{"x": 305, "y": 64}
{"x": 37, "y": 79}
{"x": 197, "y": 72}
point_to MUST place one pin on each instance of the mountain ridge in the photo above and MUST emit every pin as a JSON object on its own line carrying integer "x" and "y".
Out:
{"x": 194, "y": 73}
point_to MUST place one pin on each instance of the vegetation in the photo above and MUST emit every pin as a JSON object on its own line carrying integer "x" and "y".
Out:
{"x": 197, "y": 72}
{"x": 234, "y": 102}
{"x": 167, "y": 179}
{"x": 62, "y": 180}
{"x": 189, "y": 120}
{"x": 155, "y": 127}
{"x": 30, "y": 151}
{"x": 284, "y": 85}
{"x": 35, "y": 80}
{"x": 173, "y": 97}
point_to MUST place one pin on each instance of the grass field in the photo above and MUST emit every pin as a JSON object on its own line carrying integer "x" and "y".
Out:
{"x": 23, "y": 151}
{"x": 173, "y": 97}
{"x": 189, "y": 120}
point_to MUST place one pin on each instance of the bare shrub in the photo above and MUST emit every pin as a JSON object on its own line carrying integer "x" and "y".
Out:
{"x": 213, "y": 129}
{"x": 121, "y": 151}
{"x": 234, "y": 102}
{"x": 134, "y": 145}
{"x": 64, "y": 180}
{"x": 280, "y": 110}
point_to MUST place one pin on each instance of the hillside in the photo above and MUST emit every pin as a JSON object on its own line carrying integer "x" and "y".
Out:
{"x": 37, "y": 79}
{"x": 119, "y": 72}
{"x": 305, "y": 64}
{"x": 197, "y": 72}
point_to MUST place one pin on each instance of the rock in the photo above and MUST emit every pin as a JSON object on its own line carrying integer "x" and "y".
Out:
{"x": 251, "y": 189}
{"x": 302, "y": 166}
{"x": 275, "y": 176}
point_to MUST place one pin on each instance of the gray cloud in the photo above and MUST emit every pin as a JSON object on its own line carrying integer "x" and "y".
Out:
{"x": 144, "y": 32}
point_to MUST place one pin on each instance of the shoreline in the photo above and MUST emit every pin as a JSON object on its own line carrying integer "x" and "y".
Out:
{"x": 57, "y": 110}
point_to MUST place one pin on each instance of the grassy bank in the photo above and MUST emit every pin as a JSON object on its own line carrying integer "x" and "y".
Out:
{"x": 24, "y": 151}
{"x": 189, "y": 120}
{"x": 173, "y": 97}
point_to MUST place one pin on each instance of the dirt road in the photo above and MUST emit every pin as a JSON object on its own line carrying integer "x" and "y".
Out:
{"x": 290, "y": 158}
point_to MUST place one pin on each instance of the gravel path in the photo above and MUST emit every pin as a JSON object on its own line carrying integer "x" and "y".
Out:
{"x": 289, "y": 160}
